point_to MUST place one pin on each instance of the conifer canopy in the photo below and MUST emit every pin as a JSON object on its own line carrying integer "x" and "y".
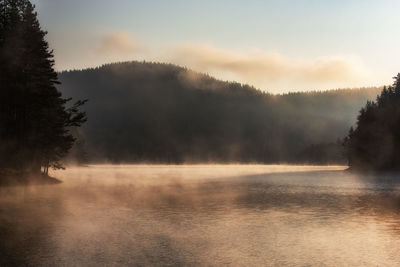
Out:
{"x": 375, "y": 142}
{"x": 35, "y": 120}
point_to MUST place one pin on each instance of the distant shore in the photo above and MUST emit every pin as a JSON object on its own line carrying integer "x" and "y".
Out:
{"x": 390, "y": 173}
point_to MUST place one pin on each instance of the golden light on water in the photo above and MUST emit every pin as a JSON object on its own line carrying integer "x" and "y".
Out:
{"x": 238, "y": 215}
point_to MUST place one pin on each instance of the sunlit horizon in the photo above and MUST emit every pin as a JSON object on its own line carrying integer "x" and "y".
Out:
{"x": 276, "y": 46}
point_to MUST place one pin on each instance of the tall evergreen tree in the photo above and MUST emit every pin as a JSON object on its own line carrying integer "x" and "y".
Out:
{"x": 35, "y": 121}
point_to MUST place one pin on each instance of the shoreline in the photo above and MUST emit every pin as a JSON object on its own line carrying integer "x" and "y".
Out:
{"x": 17, "y": 178}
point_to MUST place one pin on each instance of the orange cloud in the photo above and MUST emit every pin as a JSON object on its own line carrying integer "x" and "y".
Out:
{"x": 121, "y": 43}
{"x": 269, "y": 70}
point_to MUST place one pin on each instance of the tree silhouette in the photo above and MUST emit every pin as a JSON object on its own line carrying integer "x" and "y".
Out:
{"x": 375, "y": 142}
{"x": 35, "y": 120}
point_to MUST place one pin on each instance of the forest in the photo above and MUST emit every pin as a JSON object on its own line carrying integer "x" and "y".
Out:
{"x": 374, "y": 143}
{"x": 163, "y": 113}
{"x": 35, "y": 120}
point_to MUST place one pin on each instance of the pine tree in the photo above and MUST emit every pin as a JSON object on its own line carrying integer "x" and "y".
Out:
{"x": 35, "y": 121}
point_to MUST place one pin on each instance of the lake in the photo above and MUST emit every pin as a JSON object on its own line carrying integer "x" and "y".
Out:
{"x": 203, "y": 215}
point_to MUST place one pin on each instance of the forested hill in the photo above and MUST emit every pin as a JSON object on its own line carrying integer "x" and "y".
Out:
{"x": 152, "y": 112}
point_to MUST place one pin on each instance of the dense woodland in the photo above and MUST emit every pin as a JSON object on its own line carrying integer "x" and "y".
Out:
{"x": 35, "y": 120}
{"x": 375, "y": 142}
{"x": 152, "y": 112}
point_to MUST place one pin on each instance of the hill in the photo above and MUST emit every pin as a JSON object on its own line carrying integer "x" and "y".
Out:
{"x": 153, "y": 112}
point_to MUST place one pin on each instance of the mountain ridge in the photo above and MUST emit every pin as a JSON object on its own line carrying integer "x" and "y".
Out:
{"x": 159, "y": 112}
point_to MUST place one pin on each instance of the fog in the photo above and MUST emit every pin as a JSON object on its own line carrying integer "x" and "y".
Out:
{"x": 238, "y": 215}
{"x": 161, "y": 113}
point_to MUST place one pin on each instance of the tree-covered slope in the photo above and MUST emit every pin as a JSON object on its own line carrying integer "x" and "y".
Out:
{"x": 375, "y": 142}
{"x": 165, "y": 113}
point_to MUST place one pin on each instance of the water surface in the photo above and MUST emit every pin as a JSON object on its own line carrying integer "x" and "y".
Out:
{"x": 204, "y": 215}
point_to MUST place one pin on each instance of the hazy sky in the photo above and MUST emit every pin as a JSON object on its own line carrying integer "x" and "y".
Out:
{"x": 277, "y": 46}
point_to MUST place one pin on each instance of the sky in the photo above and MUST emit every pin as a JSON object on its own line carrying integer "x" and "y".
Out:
{"x": 276, "y": 46}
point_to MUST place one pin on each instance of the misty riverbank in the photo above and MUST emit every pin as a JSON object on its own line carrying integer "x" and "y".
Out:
{"x": 10, "y": 177}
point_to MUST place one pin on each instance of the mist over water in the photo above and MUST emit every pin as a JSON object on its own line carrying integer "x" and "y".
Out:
{"x": 206, "y": 215}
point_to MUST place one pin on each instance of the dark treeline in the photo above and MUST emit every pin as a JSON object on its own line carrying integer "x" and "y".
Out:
{"x": 35, "y": 120}
{"x": 152, "y": 112}
{"x": 375, "y": 142}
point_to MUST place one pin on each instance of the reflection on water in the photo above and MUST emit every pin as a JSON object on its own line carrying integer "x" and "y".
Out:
{"x": 202, "y": 215}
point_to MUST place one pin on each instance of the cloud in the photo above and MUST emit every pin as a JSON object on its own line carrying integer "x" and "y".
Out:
{"x": 269, "y": 71}
{"x": 119, "y": 42}
{"x": 272, "y": 70}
